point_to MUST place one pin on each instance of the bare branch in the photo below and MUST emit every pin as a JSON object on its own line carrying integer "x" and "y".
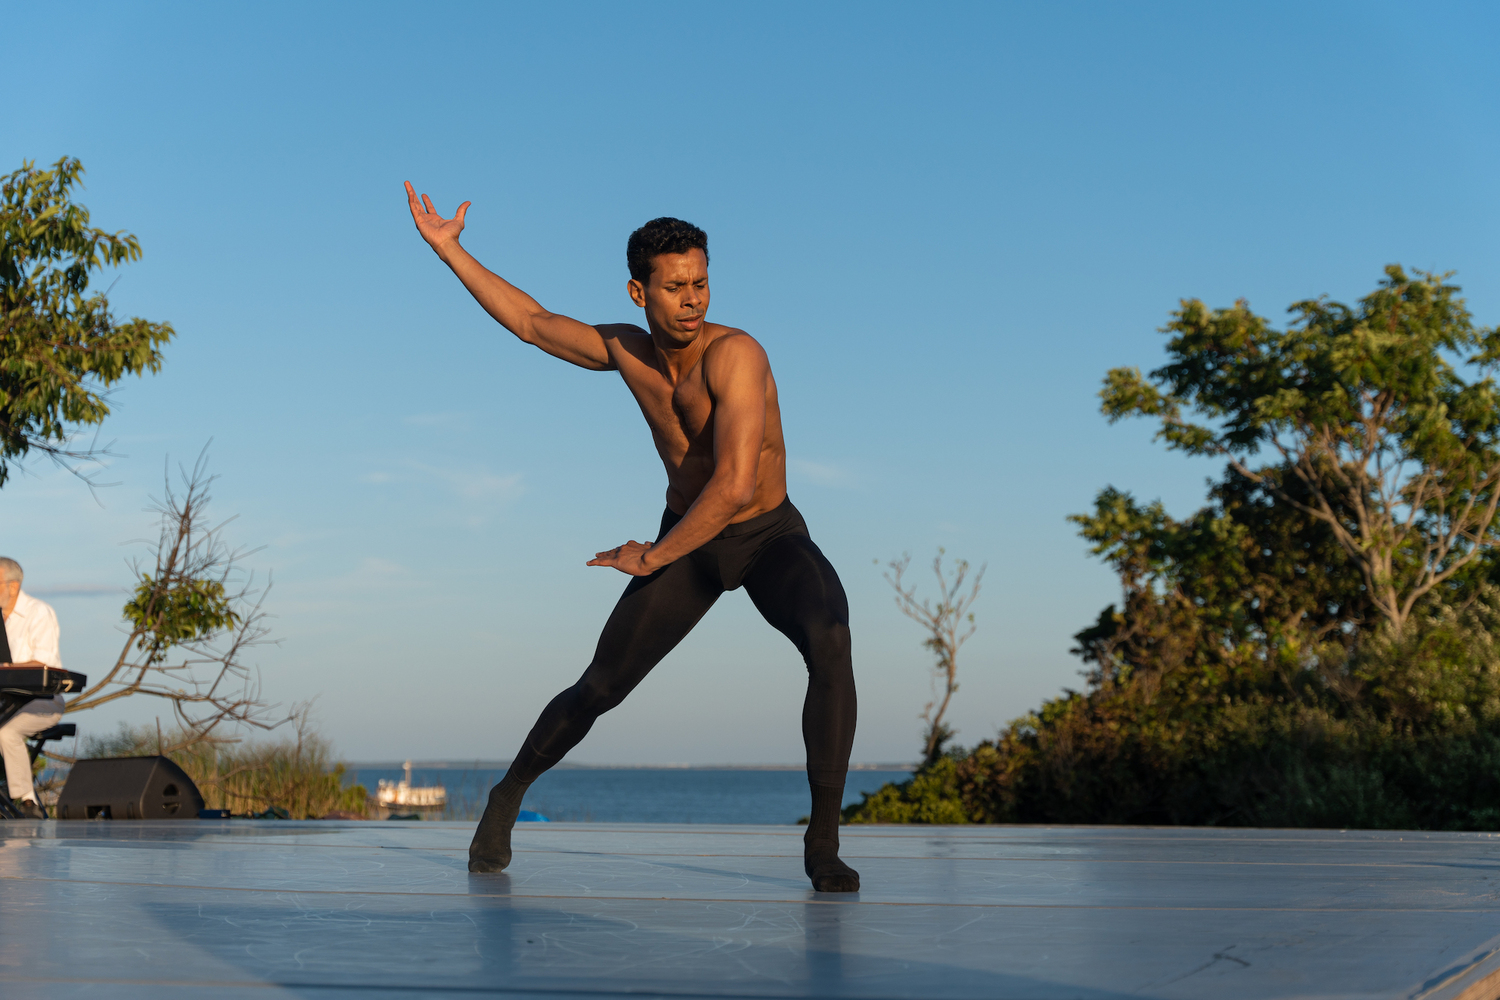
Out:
{"x": 192, "y": 621}
{"x": 944, "y": 624}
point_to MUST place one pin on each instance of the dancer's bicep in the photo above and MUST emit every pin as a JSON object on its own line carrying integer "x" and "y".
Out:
{"x": 737, "y": 381}
{"x": 571, "y": 340}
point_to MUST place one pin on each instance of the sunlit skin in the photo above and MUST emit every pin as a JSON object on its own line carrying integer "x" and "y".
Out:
{"x": 705, "y": 390}
{"x": 9, "y": 591}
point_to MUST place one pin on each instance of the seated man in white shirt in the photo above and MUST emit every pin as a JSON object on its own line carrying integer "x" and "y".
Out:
{"x": 31, "y": 627}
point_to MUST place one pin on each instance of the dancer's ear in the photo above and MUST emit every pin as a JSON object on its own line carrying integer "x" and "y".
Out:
{"x": 637, "y": 292}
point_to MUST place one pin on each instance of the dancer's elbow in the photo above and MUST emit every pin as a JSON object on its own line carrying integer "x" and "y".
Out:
{"x": 739, "y": 492}
{"x": 525, "y": 330}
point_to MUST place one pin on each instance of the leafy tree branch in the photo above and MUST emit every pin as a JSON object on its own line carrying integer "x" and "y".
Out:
{"x": 61, "y": 349}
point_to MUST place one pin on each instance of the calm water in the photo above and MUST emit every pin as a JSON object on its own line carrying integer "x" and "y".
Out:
{"x": 638, "y": 795}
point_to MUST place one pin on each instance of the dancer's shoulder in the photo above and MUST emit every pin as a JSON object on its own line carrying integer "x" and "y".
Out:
{"x": 730, "y": 341}
{"x": 733, "y": 353}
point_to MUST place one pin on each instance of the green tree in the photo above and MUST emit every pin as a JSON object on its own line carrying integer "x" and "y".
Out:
{"x": 1317, "y": 645}
{"x": 1385, "y": 414}
{"x": 61, "y": 349}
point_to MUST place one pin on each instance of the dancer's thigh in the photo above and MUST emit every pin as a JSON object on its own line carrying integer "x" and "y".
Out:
{"x": 797, "y": 591}
{"x": 650, "y": 619}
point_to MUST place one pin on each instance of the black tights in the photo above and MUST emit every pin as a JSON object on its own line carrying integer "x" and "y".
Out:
{"x": 793, "y": 586}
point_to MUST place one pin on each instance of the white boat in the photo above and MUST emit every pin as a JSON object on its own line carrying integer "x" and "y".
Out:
{"x": 404, "y": 795}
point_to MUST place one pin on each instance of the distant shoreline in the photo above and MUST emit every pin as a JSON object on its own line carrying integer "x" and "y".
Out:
{"x": 500, "y": 765}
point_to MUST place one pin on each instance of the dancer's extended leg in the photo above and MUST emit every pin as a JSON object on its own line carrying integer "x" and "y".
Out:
{"x": 651, "y": 618}
{"x": 798, "y": 592}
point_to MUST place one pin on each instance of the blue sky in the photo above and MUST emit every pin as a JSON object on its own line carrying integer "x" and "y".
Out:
{"x": 944, "y": 222}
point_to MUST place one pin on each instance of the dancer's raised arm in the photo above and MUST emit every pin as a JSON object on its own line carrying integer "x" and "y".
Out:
{"x": 560, "y": 336}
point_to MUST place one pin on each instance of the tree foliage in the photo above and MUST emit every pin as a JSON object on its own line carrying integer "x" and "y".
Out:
{"x": 61, "y": 348}
{"x": 1247, "y": 591}
{"x": 1385, "y": 413}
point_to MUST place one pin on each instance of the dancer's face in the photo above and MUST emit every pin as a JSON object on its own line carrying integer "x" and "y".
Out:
{"x": 675, "y": 297}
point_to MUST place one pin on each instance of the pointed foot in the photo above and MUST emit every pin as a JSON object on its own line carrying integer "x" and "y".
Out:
{"x": 490, "y": 849}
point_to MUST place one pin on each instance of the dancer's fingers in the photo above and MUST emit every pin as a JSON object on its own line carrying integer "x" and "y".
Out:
{"x": 613, "y": 557}
{"x": 428, "y": 202}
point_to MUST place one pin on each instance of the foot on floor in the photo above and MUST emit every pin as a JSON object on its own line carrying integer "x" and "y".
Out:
{"x": 820, "y": 859}
{"x": 490, "y": 849}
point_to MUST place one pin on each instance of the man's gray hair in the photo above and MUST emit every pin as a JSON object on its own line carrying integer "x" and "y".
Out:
{"x": 10, "y": 570}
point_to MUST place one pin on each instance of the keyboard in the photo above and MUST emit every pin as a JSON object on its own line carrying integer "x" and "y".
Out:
{"x": 40, "y": 681}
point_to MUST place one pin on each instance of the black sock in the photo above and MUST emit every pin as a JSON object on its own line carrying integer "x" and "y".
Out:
{"x": 820, "y": 844}
{"x": 490, "y": 849}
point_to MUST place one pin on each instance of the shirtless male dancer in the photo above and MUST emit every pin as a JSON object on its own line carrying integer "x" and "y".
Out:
{"x": 708, "y": 395}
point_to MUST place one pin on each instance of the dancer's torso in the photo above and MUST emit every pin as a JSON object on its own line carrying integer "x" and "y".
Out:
{"x": 681, "y": 418}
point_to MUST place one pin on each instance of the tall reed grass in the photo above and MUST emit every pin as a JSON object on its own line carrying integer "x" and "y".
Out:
{"x": 296, "y": 775}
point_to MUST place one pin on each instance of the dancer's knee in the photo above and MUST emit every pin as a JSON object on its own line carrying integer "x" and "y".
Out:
{"x": 592, "y": 698}
{"x": 829, "y": 653}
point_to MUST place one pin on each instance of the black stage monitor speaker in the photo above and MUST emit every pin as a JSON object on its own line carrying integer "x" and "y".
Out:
{"x": 129, "y": 788}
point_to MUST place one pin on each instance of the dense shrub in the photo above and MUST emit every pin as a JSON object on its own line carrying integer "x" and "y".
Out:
{"x": 1408, "y": 737}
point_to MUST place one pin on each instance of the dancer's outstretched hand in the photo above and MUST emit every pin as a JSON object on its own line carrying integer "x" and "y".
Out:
{"x": 629, "y": 558}
{"x": 435, "y": 229}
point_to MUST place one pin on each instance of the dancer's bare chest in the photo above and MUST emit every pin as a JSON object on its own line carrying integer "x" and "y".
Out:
{"x": 680, "y": 416}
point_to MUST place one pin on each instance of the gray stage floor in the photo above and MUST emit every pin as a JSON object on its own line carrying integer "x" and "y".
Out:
{"x": 328, "y": 910}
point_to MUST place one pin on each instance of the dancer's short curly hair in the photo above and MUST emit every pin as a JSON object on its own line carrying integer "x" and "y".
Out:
{"x": 659, "y": 236}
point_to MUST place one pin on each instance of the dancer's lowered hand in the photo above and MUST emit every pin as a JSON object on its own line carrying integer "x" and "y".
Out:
{"x": 435, "y": 229}
{"x": 629, "y": 558}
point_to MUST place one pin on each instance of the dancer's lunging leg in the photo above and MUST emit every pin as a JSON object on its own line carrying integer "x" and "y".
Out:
{"x": 651, "y": 618}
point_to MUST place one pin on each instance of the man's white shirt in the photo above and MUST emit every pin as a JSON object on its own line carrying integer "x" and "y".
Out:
{"x": 32, "y": 631}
